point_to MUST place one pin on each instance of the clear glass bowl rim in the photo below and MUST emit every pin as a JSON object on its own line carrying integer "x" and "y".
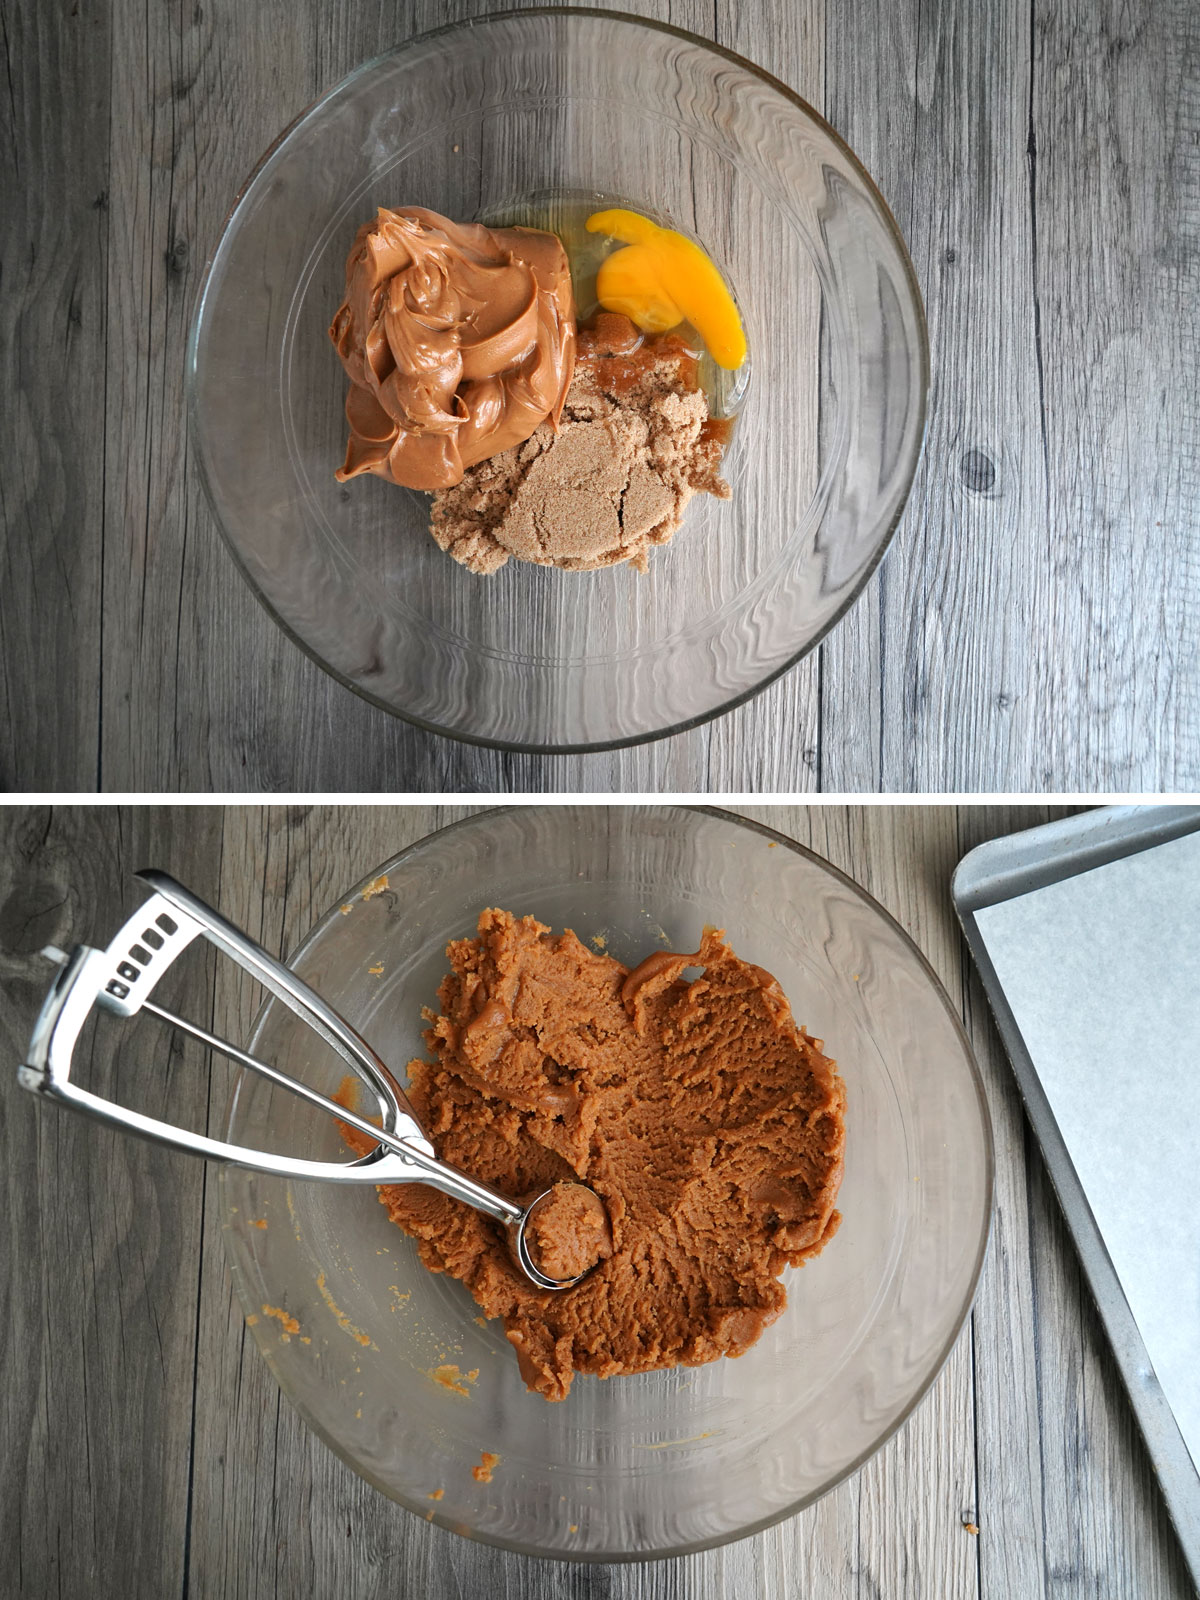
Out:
{"x": 936, "y": 1364}
{"x": 198, "y": 317}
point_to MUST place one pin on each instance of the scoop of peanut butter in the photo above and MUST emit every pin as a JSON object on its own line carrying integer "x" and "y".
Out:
{"x": 458, "y": 340}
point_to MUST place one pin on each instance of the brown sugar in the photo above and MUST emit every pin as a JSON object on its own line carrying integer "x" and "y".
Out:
{"x": 635, "y": 445}
{"x": 710, "y": 1125}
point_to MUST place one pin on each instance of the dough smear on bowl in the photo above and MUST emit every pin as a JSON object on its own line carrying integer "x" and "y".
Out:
{"x": 711, "y": 1126}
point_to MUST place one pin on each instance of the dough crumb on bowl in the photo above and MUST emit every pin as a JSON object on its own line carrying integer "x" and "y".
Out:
{"x": 487, "y": 1462}
{"x": 449, "y": 1376}
{"x": 709, "y": 1124}
{"x": 287, "y": 1322}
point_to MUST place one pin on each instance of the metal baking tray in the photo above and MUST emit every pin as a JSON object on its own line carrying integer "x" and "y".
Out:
{"x": 1005, "y": 869}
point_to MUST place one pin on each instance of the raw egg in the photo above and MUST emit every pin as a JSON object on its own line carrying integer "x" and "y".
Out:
{"x": 660, "y": 279}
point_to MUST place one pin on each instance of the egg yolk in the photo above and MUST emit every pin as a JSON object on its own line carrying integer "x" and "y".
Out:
{"x": 661, "y": 279}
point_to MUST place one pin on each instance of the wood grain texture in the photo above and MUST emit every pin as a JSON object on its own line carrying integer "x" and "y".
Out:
{"x": 1035, "y": 625}
{"x": 100, "y": 1320}
{"x": 148, "y": 1451}
{"x": 1115, "y": 94}
{"x": 944, "y": 629}
{"x": 54, "y": 176}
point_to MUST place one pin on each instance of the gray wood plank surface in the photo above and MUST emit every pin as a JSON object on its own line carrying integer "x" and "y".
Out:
{"x": 1035, "y": 625}
{"x": 54, "y": 231}
{"x": 99, "y": 1320}
{"x": 947, "y": 139}
{"x": 148, "y": 1452}
{"x": 1115, "y": 93}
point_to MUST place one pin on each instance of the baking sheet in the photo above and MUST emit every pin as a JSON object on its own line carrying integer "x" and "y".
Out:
{"x": 1112, "y": 952}
{"x": 1101, "y": 971}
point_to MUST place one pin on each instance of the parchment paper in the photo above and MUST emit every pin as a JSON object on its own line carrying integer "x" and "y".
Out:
{"x": 1102, "y": 972}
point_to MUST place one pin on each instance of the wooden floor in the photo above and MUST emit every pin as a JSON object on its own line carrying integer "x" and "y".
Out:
{"x": 147, "y": 1451}
{"x": 1036, "y": 624}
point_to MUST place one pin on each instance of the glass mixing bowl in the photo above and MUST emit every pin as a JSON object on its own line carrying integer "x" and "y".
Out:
{"x": 506, "y": 119}
{"x": 664, "y": 1462}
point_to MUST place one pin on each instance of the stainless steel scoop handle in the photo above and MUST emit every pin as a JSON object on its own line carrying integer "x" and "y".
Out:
{"x": 120, "y": 980}
{"x": 47, "y": 1073}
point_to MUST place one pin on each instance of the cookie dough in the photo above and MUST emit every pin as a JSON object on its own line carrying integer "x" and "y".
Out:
{"x": 634, "y": 445}
{"x": 711, "y": 1126}
{"x": 568, "y": 1232}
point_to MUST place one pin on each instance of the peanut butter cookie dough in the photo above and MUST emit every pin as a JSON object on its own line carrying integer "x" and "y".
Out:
{"x": 708, "y": 1123}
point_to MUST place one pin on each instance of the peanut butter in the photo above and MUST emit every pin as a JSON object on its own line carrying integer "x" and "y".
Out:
{"x": 458, "y": 340}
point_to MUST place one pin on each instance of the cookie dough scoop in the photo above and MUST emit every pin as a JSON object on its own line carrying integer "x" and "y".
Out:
{"x": 555, "y": 1236}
